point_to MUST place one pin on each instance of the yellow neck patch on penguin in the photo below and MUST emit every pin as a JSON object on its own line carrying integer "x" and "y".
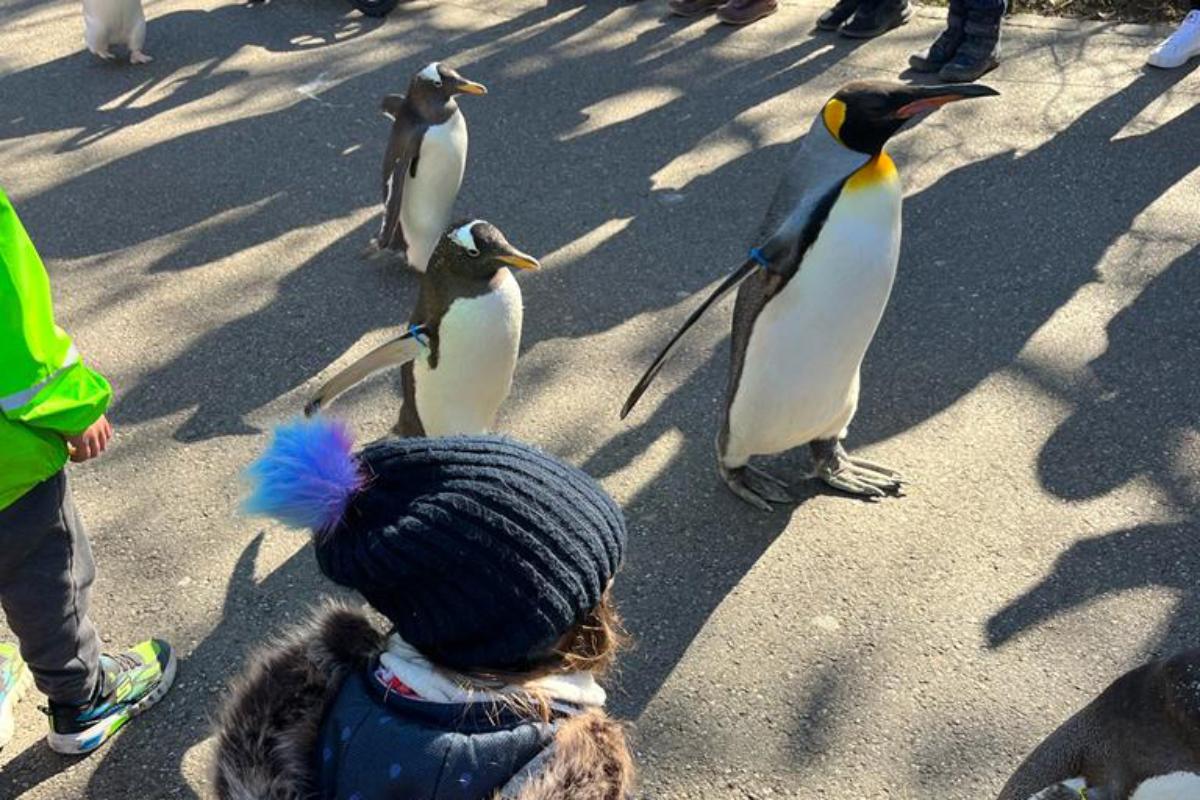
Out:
{"x": 834, "y": 115}
{"x": 880, "y": 169}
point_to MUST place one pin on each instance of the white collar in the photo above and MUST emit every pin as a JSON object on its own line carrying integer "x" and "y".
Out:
{"x": 404, "y": 662}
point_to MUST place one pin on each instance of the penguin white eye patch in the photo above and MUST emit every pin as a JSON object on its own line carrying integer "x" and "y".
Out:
{"x": 463, "y": 237}
{"x": 431, "y": 74}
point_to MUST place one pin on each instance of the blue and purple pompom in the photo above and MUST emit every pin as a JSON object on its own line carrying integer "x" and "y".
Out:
{"x": 307, "y": 475}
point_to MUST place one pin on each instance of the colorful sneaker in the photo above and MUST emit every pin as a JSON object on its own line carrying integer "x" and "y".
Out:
{"x": 14, "y": 682}
{"x": 1180, "y": 45}
{"x": 130, "y": 683}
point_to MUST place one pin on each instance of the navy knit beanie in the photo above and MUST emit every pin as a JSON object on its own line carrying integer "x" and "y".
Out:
{"x": 482, "y": 551}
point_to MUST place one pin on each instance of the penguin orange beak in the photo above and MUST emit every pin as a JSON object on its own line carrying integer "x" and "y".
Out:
{"x": 471, "y": 87}
{"x": 520, "y": 261}
{"x": 934, "y": 97}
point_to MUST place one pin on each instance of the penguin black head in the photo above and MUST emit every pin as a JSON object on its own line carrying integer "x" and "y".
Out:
{"x": 478, "y": 250}
{"x": 863, "y": 115}
{"x": 438, "y": 81}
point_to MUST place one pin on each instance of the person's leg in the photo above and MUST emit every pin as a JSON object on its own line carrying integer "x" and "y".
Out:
{"x": 979, "y": 51}
{"x": 46, "y": 574}
{"x": 944, "y": 47}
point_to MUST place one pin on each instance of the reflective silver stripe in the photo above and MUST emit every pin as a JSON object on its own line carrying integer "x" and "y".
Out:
{"x": 15, "y": 401}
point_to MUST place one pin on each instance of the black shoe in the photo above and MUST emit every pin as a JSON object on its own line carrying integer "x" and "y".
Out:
{"x": 943, "y": 48}
{"x": 979, "y": 52}
{"x": 873, "y": 18}
{"x": 832, "y": 19}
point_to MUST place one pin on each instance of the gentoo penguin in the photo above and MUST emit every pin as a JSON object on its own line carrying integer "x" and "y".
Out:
{"x": 424, "y": 162}
{"x": 460, "y": 347}
{"x": 1139, "y": 739}
{"x": 812, "y": 295}
{"x": 109, "y": 22}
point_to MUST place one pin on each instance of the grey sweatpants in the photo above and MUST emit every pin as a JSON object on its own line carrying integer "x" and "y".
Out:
{"x": 46, "y": 574}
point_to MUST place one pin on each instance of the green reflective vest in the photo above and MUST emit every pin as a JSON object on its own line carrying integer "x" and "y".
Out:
{"x": 46, "y": 393}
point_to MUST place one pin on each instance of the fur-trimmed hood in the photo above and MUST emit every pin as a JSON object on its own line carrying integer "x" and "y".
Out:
{"x": 268, "y": 732}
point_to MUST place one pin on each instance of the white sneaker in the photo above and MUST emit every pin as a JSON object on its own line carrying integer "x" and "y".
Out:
{"x": 1181, "y": 45}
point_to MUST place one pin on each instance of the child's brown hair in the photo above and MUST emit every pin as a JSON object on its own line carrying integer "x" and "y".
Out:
{"x": 590, "y": 646}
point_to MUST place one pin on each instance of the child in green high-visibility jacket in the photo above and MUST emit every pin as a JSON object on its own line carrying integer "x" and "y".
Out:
{"x": 51, "y": 409}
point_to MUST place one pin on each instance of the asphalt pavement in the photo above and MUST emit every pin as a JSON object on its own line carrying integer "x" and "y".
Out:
{"x": 1036, "y": 375}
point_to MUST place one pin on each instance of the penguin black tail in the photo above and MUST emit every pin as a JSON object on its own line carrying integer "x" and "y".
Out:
{"x": 729, "y": 284}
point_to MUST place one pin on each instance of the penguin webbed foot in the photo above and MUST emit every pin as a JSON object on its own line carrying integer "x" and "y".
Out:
{"x": 372, "y": 250}
{"x": 756, "y": 487}
{"x": 138, "y": 57}
{"x": 855, "y": 476}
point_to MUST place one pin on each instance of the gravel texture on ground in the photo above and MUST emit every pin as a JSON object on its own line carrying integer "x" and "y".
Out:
{"x": 1036, "y": 375}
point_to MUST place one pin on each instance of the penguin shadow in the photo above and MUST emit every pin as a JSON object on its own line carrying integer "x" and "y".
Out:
{"x": 190, "y": 49}
{"x": 1139, "y": 419}
{"x": 994, "y": 248}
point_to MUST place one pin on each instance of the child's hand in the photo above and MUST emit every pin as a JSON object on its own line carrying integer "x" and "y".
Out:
{"x": 91, "y": 442}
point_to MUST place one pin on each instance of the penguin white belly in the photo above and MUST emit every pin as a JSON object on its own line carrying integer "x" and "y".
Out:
{"x": 428, "y": 200}
{"x": 478, "y": 341}
{"x": 799, "y": 378}
{"x": 108, "y": 22}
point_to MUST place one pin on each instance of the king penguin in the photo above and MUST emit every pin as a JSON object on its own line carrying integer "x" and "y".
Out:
{"x": 460, "y": 346}
{"x": 812, "y": 295}
{"x": 424, "y": 162}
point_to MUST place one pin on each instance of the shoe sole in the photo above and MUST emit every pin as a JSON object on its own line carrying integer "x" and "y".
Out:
{"x": 924, "y": 66}
{"x": 968, "y": 79}
{"x": 7, "y": 718}
{"x": 852, "y": 34}
{"x": 1168, "y": 63}
{"x": 86, "y": 741}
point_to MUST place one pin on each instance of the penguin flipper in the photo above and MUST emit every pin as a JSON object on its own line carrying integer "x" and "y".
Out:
{"x": 400, "y": 350}
{"x": 729, "y": 284}
{"x": 391, "y": 105}
{"x": 399, "y": 163}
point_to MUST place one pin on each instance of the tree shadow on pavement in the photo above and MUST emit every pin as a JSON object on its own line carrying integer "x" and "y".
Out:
{"x": 106, "y": 97}
{"x": 231, "y": 370}
{"x": 1019, "y": 235}
{"x": 692, "y": 540}
{"x": 1140, "y": 420}
{"x": 245, "y": 191}
{"x": 153, "y": 746}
